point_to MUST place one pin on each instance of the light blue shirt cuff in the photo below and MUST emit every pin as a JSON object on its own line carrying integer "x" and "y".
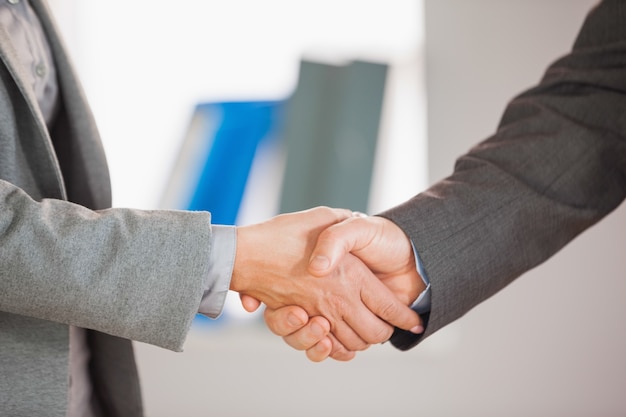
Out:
{"x": 422, "y": 303}
{"x": 223, "y": 246}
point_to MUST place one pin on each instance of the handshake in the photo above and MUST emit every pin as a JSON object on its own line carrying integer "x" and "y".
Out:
{"x": 333, "y": 281}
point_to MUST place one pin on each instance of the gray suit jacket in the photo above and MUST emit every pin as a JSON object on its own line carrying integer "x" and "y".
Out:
{"x": 555, "y": 166}
{"x": 65, "y": 259}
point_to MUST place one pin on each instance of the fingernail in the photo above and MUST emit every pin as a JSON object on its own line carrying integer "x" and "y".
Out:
{"x": 317, "y": 330}
{"x": 419, "y": 329}
{"x": 319, "y": 263}
{"x": 294, "y": 320}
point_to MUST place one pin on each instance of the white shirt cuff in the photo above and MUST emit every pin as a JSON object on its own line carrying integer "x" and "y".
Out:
{"x": 422, "y": 303}
{"x": 221, "y": 260}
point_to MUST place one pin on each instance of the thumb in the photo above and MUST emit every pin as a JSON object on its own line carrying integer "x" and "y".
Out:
{"x": 335, "y": 242}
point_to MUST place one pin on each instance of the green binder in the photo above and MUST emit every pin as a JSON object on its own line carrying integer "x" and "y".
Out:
{"x": 330, "y": 133}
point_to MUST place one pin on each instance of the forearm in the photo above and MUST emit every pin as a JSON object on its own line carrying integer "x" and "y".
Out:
{"x": 134, "y": 274}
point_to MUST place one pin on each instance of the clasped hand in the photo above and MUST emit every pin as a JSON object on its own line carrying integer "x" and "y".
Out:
{"x": 333, "y": 282}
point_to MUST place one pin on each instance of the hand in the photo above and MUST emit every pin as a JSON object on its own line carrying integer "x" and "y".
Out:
{"x": 382, "y": 246}
{"x": 304, "y": 333}
{"x": 271, "y": 266}
{"x": 311, "y": 334}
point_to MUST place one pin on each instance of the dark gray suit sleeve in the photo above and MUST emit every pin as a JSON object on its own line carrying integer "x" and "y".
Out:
{"x": 555, "y": 166}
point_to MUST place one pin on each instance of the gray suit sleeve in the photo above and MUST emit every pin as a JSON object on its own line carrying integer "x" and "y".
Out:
{"x": 555, "y": 166}
{"x": 130, "y": 273}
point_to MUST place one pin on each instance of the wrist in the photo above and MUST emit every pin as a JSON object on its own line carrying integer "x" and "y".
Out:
{"x": 254, "y": 271}
{"x": 240, "y": 281}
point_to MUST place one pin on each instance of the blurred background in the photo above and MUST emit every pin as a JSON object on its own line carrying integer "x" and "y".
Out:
{"x": 391, "y": 92}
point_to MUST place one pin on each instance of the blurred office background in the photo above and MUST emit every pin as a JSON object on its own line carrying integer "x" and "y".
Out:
{"x": 548, "y": 345}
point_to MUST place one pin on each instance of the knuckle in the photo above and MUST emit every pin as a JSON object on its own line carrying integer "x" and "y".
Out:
{"x": 294, "y": 343}
{"x": 340, "y": 352}
{"x": 326, "y": 211}
{"x": 357, "y": 345}
{"x": 299, "y": 343}
{"x": 382, "y": 334}
{"x": 314, "y": 356}
{"x": 336, "y": 303}
{"x": 342, "y": 355}
{"x": 273, "y": 323}
{"x": 388, "y": 311}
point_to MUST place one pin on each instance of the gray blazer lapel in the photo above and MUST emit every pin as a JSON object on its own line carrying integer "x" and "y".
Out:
{"x": 41, "y": 142}
{"x": 76, "y": 137}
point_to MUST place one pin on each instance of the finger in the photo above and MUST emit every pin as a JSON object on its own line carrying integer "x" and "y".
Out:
{"x": 312, "y": 333}
{"x": 354, "y": 323}
{"x": 286, "y": 320}
{"x": 339, "y": 351}
{"x": 333, "y": 215}
{"x": 367, "y": 328}
{"x": 320, "y": 350}
{"x": 336, "y": 241}
{"x": 250, "y": 304}
{"x": 382, "y": 302}
{"x": 366, "y": 316}
{"x": 352, "y": 339}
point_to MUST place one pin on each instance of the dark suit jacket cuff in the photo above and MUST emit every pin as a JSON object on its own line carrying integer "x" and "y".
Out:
{"x": 405, "y": 340}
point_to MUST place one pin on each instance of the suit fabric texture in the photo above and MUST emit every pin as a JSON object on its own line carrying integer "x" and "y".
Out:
{"x": 555, "y": 166}
{"x": 67, "y": 258}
